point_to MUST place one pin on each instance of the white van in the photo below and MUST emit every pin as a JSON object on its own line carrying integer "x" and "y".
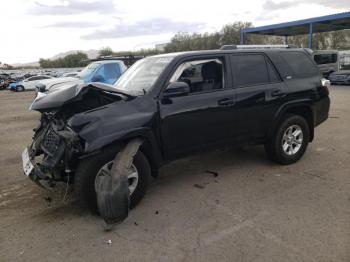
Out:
{"x": 327, "y": 61}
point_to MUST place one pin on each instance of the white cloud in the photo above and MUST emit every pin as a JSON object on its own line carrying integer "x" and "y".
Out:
{"x": 42, "y": 28}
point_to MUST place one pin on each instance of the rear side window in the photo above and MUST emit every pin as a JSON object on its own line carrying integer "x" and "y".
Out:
{"x": 300, "y": 64}
{"x": 252, "y": 69}
{"x": 322, "y": 59}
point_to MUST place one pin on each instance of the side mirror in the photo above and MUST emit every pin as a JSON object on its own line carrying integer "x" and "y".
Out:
{"x": 176, "y": 89}
{"x": 41, "y": 87}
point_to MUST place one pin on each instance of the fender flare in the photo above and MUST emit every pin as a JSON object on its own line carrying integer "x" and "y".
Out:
{"x": 294, "y": 107}
{"x": 150, "y": 148}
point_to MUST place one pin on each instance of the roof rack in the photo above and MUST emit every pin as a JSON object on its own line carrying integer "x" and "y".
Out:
{"x": 230, "y": 47}
{"x": 127, "y": 59}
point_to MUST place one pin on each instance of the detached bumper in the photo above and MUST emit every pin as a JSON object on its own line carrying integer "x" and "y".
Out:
{"x": 33, "y": 172}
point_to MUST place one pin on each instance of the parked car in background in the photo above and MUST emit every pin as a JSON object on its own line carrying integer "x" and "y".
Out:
{"x": 105, "y": 71}
{"x": 70, "y": 74}
{"x": 7, "y": 79}
{"x": 327, "y": 61}
{"x": 28, "y": 83}
{"x": 340, "y": 78}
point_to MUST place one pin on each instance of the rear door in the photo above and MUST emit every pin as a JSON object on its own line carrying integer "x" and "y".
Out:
{"x": 259, "y": 93}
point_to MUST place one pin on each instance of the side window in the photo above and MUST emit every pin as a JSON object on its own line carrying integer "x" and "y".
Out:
{"x": 40, "y": 77}
{"x": 201, "y": 75}
{"x": 300, "y": 64}
{"x": 321, "y": 59}
{"x": 31, "y": 79}
{"x": 250, "y": 69}
{"x": 273, "y": 76}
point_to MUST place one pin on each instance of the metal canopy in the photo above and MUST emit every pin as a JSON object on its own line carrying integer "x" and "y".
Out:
{"x": 309, "y": 26}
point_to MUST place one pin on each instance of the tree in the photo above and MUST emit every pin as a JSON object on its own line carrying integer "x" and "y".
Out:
{"x": 73, "y": 60}
{"x": 105, "y": 51}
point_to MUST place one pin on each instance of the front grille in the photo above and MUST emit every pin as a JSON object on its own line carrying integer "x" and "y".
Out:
{"x": 50, "y": 142}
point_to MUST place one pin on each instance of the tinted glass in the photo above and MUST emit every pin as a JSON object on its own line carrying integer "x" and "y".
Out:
{"x": 31, "y": 78}
{"x": 42, "y": 77}
{"x": 321, "y": 59}
{"x": 300, "y": 63}
{"x": 272, "y": 73}
{"x": 249, "y": 69}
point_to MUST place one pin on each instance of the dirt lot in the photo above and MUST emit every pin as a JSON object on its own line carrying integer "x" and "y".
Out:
{"x": 253, "y": 210}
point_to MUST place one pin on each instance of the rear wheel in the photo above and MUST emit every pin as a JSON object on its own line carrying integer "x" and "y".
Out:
{"x": 89, "y": 168}
{"x": 289, "y": 141}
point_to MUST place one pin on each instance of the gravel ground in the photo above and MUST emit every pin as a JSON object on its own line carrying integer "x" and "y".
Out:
{"x": 253, "y": 210}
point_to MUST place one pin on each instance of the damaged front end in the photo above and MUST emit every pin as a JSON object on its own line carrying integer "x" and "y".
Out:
{"x": 56, "y": 146}
{"x": 52, "y": 151}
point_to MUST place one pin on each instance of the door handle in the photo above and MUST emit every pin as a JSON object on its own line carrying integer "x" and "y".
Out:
{"x": 226, "y": 102}
{"x": 278, "y": 93}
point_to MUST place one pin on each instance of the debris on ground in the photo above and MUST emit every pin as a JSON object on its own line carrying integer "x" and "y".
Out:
{"x": 215, "y": 174}
{"x": 157, "y": 212}
{"x": 109, "y": 242}
{"x": 48, "y": 200}
{"x": 199, "y": 186}
{"x": 136, "y": 224}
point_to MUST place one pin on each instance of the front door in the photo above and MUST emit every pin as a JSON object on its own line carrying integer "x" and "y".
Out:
{"x": 203, "y": 117}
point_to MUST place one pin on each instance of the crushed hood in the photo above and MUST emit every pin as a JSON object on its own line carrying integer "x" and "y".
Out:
{"x": 57, "y": 98}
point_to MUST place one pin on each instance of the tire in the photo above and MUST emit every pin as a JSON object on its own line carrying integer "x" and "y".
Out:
{"x": 84, "y": 181}
{"x": 19, "y": 88}
{"x": 291, "y": 153}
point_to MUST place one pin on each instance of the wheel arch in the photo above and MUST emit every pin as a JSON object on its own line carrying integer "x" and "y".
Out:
{"x": 302, "y": 109}
{"x": 149, "y": 148}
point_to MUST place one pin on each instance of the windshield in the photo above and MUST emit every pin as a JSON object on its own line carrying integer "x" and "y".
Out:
{"x": 141, "y": 77}
{"x": 89, "y": 69}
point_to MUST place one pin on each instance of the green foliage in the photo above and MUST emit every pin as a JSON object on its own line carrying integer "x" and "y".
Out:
{"x": 105, "y": 51}
{"x": 73, "y": 60}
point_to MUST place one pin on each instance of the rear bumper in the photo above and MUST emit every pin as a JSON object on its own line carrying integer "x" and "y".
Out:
{"x": 322, "y": 110}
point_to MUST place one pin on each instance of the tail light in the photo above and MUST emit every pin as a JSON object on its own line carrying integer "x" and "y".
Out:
{"x": 325, "y": 84}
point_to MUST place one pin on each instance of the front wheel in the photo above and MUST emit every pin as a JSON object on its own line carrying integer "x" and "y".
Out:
{"x": 289, "y": 141}
{"x": 89, "y": 168}
{"x": 19, "y": 88}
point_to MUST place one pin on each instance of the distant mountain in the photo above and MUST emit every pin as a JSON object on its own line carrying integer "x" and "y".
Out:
{"x": 92, "y": 53}
{"x": 29, "y": 64}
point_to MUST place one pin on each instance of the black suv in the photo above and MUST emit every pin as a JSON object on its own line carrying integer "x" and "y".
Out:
{"x": 178, "y": 104}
